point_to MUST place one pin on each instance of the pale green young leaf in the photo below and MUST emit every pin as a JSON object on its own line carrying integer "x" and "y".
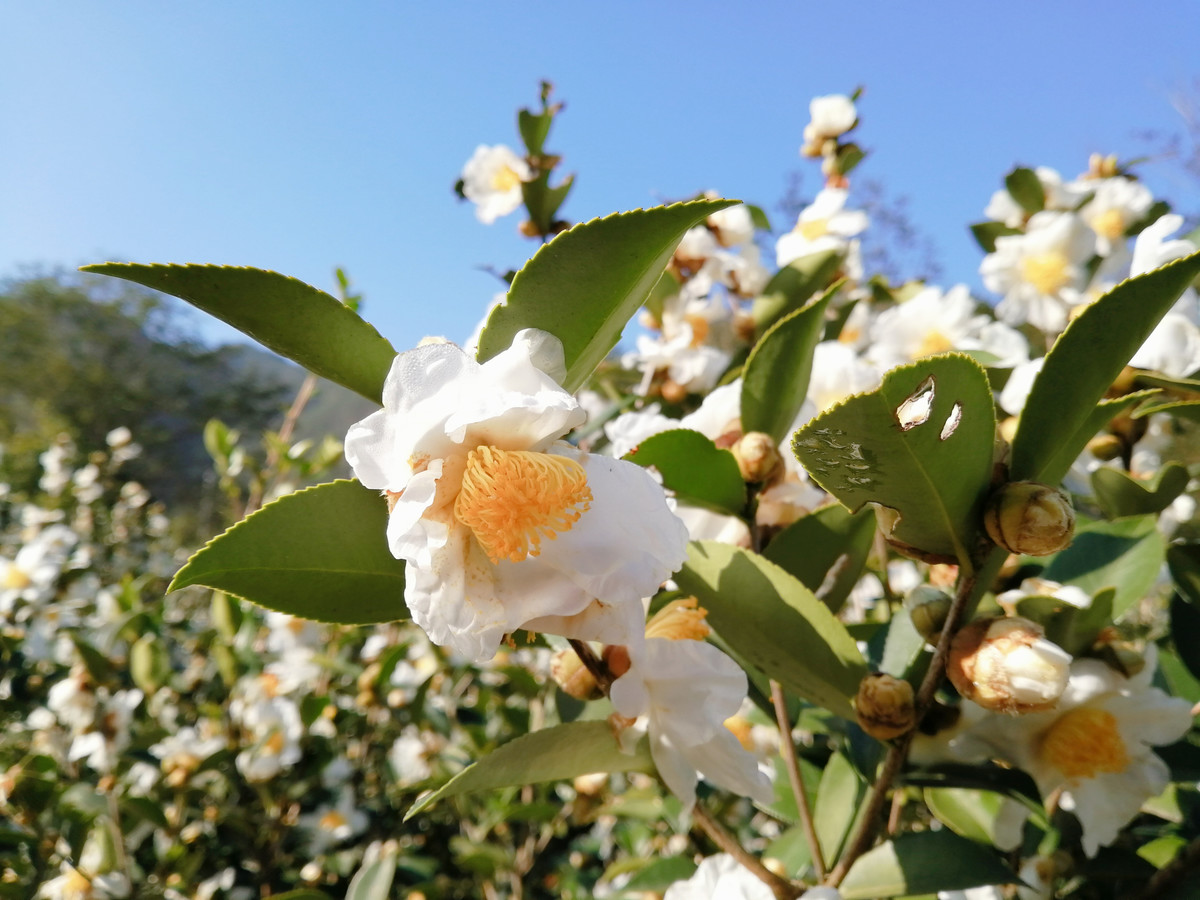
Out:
{"x": 1084, "y": 362}
{"x": 691, "y": 465}
{"x": 320, "y": 553}
{"x": 585, "y": 284}
{"x": 553, "y": 754}
{"x": 775, "y": 623}
{"x": 923, "y": 863}
{"x": 920, "y": 444}
{"x": 283, "y": 314}
{"x": 775, "y": 377}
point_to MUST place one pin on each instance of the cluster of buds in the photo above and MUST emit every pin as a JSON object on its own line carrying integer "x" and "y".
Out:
{"x": 831, "y": 117}
{"x": 1005, "y": 664}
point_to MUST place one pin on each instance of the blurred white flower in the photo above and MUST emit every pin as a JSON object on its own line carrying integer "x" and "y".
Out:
{"x": 830, "y": 117}
{"x": 409, "y": 757}
{"x": 720, "y": 877}
{"x": 492, "y": 181}
{"x": 1116, "y": 204}
{"x": 332, "y": 824}
{"x": 499, "y": 521}
{"x": 825, "y": 224}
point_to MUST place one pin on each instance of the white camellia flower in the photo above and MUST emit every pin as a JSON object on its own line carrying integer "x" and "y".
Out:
{"x": 1042, "y": 272}
{"x": 331, "y": 824}
{"x": 1117, "y": 203}
{"x": 830, "y": 116}
{"x": 683, "y": 689}
{"x": 825, "y": 224}
{"x": 492, "y": 181}
{"x": 499, "y": 521}
{"x": 720, "y": 877}
{"x": 1095, "y": 746}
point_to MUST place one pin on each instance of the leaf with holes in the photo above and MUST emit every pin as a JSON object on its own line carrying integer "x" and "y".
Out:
{"x": 1085, "y": 361}
{"x": 774, "y": 623}
{"x": 288, "y": 316}
{"x": 919, "y": 445}
{"x": 561, "y": 752}
{"x": 775, "y": 378}
{"x": 691, "y": 465}
{"x": 586, "y": 283}
{"x": 320, "y": 553}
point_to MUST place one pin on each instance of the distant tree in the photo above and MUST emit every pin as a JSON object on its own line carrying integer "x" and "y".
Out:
{"x": 83, "y": 355}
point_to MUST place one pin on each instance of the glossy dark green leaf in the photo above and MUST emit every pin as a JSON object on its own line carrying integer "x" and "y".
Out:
{"x": 1185, "y": 633}
{"x": 1084, "y": 362}
{"x": 920, "y": 445}
{"x": 319, "y": 553}
{"x": 1121, "y": 495}
{"x": 285, "y": 315}
{"x": 691, "y": 465}
{"x": 923, "y": 863}
{"x": 586, "y": 283}
{"x": 827, "y": 550}
{"x": 986, "y": 233}
{"x": 1026, "y": 188}
{"x": 775, "y": 623}
{"x": 553, "y": 754}
{"x": 793, "y": 286}
{"x": 969, "y": 813}
{"x": 775, "y": 377}
{"x": 1125, "y": 555}
{"x": 1183, "y": 560}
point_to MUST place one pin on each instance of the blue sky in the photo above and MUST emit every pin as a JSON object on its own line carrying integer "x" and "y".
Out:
{"x": 300, "y": 136}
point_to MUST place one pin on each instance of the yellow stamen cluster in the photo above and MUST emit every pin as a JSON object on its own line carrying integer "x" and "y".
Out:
{"x": 333, "y": 819}
{"x": 1084, "y": 743}
{"x": 681, "y": 619}
{"x": 1110, "y": 224}
{"x": 505, "y": 179}
{"x": 1047, "y": 272}
{"x": 16, "y": 579}
{"x": 813, "y": 229}
{"x": 933, "y": 342}
{"x": 512, "y": 499}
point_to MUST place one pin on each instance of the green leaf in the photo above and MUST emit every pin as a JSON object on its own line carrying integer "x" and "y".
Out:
{"x": 758, "y": 217}
{"x": 839, "y": 803}
{"x": 793, "y": 286}
{"x": 585, "y": 284}
{"x": 923, "y": 863}
{"x": 812, "y": 546}
{"x": 1026, "y": 188}
{"x": 1180, "y": 409}
{"x": 775, "y": 378}
{"x": 564, "y": 751}
{"x": 920, "y": 444}
{"x": 534, "y": 129}
{"x": 903, "y": 645}
{"x": 1183, "y": 560}
{"x": 1185, "y": 632}
{"x": 660, "y": 873}
{"x": 694, "y": 468}
{"x": 374, "y": 880}
{"x": 319, "y": 553}
{"x": 1126, "y": 555}
{"x": 1070, "y": 627}
{"x": 303, "y": 894}
{"x": 1060, "y": 460}
{"x": 1084, "y": 362}
{"x": 969, "y": 813}
{"x": 543, "y": 201}
{"x": 986, "y": 233}
{"x": 285, "y": 315}
{"x": 1121, "y": 495}
{"x": 775, "y": 623}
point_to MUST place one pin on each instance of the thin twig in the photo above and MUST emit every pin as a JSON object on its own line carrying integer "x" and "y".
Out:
{"x": 781, "y": 887}
{"x": 303, "y": 395}
{"x": 893, "y": 823}
{"x": 792, "y": 761}
{"x": 593, "y": 664}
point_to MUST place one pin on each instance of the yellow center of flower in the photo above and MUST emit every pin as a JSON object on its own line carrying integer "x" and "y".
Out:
{"x": 16, "y": 579}
{"x": 1084, "y": 743}
{"x": 333, "y": 819}
{"x": 741, "y": 729}
{"x": 274, "y": 744}
{"x": 76, "y": 886}
{"x": 699, "y": 328}
{"x": 1109, "y": 224}
{"x": 681, "y": 619}
{"x": 1047, "y": 272}
{"x": 933, "y": 342}
{"x": 511, "y": 499}
{"x": 505, "y": 179}
{"x": 813, "y": 228}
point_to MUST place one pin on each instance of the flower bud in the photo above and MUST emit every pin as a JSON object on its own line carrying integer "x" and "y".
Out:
{"x": 1029, "y": 518}
{"x": 1005, "y": 664}
{"x": 884, "y": 706}
{"x": 927, "y": 608}
{"x": 1106, "y": 446}
{"x": 757, "y": 457}
{"x": 570, "y": 674}
{"x": 616, "y": 658}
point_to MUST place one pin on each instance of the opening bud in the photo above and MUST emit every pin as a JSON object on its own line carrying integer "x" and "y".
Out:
{"x": 1030, "y": 518}
{"x": 884, "y": 706}
{"x": 927, "y": 608}
{"x": 757, "y": 457}
{"x": 570, "y": 674}
{"x": 1005, "y": 664}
